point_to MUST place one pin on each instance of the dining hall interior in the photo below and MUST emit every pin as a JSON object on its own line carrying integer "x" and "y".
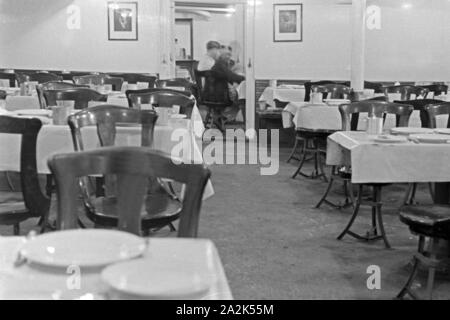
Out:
{"x": 224, "y": 149}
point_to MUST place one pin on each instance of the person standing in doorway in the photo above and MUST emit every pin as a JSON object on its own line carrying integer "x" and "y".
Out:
{"x": 209, "y": 59}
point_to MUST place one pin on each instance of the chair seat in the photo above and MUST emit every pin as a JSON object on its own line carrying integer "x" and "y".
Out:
{"x": 160, "y": 209}
{"x": 12, "y": 208}
{"x": 431, "y": 221}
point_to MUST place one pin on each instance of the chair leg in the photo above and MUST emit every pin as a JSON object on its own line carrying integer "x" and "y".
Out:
{"x": 294, "y": 150}
{"x": 172, "y": 227}
{"x": 321, "y": 168}
{"x": 324, "y": 197}
{"x": 430, "y": 187}
{"x": 8, "y": 180}
{"x": 413, "y": 193}
{"x": 16, "y": 229}
{"x": 302, "y": 162}
{"x": 407, "y": 287}
{"x": 350, "y": 193}
{"x": 407, "y": 194}
{"x": 355, "y": 214}
{"x": 379, "y": 214}
{"x": 432, "y": 270}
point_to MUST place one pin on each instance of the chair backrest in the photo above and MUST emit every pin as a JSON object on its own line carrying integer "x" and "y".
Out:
{"x": 40, "y": 77}
{"x": 99, "y": 80}
{"x": 81, "y": 96}
{"x": 115, "y": 82}
{"x": 134, "y": 78}
{"x": 177, "y": 82}
{"x": 333, "y": 91}
{"x": 309, "y": 84}
{"x": 212, "y": 88}
{"x": 9, "y": 76}
{"x": 377, "y": 108}
{"x": 133, "y": 166}
{"x": 35, "y": 200}
{"x": 406, "y": 91}
{"x": 437, "y": 89}
{"x": 53, "y": 85}
{"x": 420, "y": 105}
{"x": 106, "y": 117}
{"x": 433, "y": 110}
{"x": 90, "y": 79}
{"x": 377, "y": 86}
{"x": 165, "y": 98}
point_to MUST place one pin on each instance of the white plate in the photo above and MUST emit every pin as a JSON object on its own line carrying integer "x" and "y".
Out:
{"x": 178, "y": 116}
{"x": 34, "y": 112}
{"x": 336, "y": 101}
{"x": 442, "y": 131}
{"x": 430, "y": 138}
{"x": 150, "y": 279}
{"x": 83, "y": 248}
{"x": 408, "y": 130}
{"x": 389, "y": 139}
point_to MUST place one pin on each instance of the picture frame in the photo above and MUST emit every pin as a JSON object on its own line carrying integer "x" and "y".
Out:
{"x": 122, "y": 21}
{"x": 288, "y": 22}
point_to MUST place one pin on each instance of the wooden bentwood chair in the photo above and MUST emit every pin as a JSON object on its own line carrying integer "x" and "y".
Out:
{"x": 162, "y": 206}
{"x": 81, "y": 96}
{"x": 165, "y": 98}
{"x": 430, "y": 222}
{"x": 133, "y": 166}
{"x": 34, "y": 203}
{"x": 379, "y": 109}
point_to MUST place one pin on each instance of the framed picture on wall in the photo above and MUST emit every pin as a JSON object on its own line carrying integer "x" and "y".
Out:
{"x": 288, "y": 22}
{"x": 123, "y": 21}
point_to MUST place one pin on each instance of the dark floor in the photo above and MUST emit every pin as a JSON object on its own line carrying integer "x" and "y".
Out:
{"x": 275, "y": 245}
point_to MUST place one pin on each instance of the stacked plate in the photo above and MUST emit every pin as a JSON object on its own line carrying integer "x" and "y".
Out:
{"x": 151, "y": 279}
{"x": 430, "y": 138}
{"x": 406, "y": 131}
{"x": 336, "y": 102}
{"x": 390, "y": 139}
{"x": 41, "y": 114}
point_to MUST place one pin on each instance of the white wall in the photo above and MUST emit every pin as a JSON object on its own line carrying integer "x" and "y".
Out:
{"x": 412, "y": 45}
{"x": 324, "y": 52}
{"x": 34, "y": 35}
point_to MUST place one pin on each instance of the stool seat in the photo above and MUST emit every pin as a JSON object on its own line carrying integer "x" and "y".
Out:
{"x": 431, "y": 221}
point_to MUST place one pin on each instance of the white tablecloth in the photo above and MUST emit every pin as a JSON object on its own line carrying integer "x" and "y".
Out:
{"x": 305, "y": 115}
{"x": 28, "y": 282}
{"x": 388, "y": 163}
{"x": 282, "y": 94}
{"x": 22, "y": 102}
{"x": 54, "y": 139}
{"x": 196, "y": 117}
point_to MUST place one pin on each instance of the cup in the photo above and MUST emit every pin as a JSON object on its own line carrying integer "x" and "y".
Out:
{"x": 316, "y": 98}
{"x": 60, "y": 115}
{"x": 374, "y": 126}
{"x": 66, "y": 103}
{"x": 163, "y": 116}
{"x": 142, "y": 85}
{"x": 124, "y": 87}
{"x": 262, "y": 105}
{"x": 146, "y": 106}
{"x": 176, "y": 109}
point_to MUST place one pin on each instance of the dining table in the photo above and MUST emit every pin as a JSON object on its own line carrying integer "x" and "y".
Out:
{"x": 283, "y": 93}
{"x": 373, "y": 161}
{"x": 32, "y": 281}
{"x": 176, "y": 138}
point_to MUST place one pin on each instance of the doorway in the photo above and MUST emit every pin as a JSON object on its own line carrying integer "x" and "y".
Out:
{"x": 196, "y": 23}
